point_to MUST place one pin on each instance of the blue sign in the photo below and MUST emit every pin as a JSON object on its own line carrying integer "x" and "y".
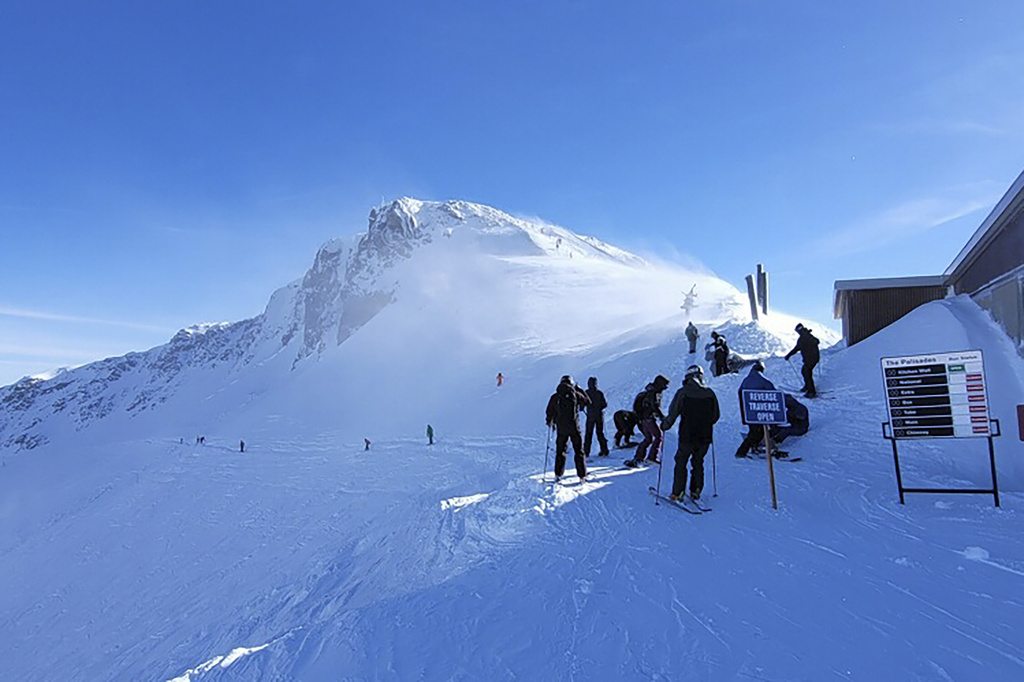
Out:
{"x": 764, "y": 407}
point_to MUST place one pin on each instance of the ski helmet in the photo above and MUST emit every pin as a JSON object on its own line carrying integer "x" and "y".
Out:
{"x": 567, "y": 379}
{"x": 758, "y": 366}
{"x": 695, "y": 371}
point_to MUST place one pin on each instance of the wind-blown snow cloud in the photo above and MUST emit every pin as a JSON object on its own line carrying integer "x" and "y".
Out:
{"x": 909, "y": 219}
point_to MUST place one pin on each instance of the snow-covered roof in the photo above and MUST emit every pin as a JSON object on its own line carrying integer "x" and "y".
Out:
{"x": 988, "y": 230}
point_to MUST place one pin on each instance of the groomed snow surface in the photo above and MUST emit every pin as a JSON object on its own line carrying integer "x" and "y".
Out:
{"x": 308, "y": 558}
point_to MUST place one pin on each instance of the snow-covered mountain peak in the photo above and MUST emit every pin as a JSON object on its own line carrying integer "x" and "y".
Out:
{"x": 448, "y": 292}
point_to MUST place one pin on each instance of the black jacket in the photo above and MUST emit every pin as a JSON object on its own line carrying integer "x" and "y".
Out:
{"x": 807, "y": 346}
{"x": 564, "y": 407}
{"x": 649, "y": 404}
{"x": 697, "y": 406}
{"x": 597, "y": 401}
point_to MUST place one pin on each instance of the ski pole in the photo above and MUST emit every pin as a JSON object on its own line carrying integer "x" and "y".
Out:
{"x": 714, "y": 469}
{"x": 547, "y": 450}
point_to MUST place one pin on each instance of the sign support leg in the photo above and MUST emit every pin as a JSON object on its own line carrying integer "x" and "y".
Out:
{"x": 771, "y": 468}
{"x": 899, "y": 477}
{"x": 992, "y": 463}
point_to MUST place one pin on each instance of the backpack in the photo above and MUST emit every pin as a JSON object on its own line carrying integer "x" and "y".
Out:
{"x": 566, "y": 404}
{"x": 638, "y": 403}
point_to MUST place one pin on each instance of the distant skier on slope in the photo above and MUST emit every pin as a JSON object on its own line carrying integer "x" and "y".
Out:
{"x": 697, "y": 407}
{"x": 595, "y": 418}
{"x": 241, "y": 446}
{"x": 562, "y": 413}
{"x": 692, "y": 335}
{"x": 430, "y": 434}
{"x": 366, "y": 444}
{"x": 501, "y": 378}
{"x": 807, "y": 346}
{"x": 754, "y": 381}
{"x": 625, "y": 422}
{"x": 648, "y": 411}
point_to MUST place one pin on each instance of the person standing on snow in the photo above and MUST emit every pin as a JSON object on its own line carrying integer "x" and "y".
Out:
{"x": 562, "y": 413}
{"x": 692, "y": 335}
{"x": 595, "y": 418}
{"x": 430, "y": 434}
{"x": 500, "y": 379}
{"x": 696, "y": 405}
{"x": 648, "y": 411}
{"x": 721, "y": 356}
{"x": 807, "y": 346}
{"x": 754, "y": 381}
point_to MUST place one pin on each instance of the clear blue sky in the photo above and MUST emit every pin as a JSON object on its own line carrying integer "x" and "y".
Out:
{"x": 167, "y": 163}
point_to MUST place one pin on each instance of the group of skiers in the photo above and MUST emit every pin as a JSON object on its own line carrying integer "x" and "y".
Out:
{"x": 694, "y": 404}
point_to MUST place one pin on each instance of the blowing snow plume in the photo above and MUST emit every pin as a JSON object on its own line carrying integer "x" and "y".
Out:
{"x": 431, "y": 301}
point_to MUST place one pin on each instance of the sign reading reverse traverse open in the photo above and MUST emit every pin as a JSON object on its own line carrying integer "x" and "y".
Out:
{"x": 940, "y": 395}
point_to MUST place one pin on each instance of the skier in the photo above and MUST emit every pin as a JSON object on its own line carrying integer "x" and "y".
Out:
{"x": 807, "y": 346}
{"x": 430, "y": 434}
{"x": 797, "y": 416}
{"x": 648, "y": 411}
{"x": 241, "y": 446}
{"x": 697, "y": 407}
{"x": 692, "y": 335}
{"x": 562, "y": 413}
{"x": 754, "y": 381}
{"x": 366, "y": 444}
{"x": 721, "y": 356}
{"x": 595, "y": 419}
{"x": 625, "y": 421}
{"x": 500, "y": 379}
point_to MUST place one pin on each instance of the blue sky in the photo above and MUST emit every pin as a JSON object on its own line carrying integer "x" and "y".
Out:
{"x": 168, "y": 163}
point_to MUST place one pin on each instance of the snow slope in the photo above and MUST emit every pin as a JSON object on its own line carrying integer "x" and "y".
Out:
{"x": 307, "y": 558}
{"x": 433, "y": 300}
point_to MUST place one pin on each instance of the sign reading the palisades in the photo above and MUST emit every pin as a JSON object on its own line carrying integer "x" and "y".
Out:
{"x": 939, "y": 395}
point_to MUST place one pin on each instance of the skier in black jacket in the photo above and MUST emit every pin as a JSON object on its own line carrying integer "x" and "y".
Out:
{"x": 648, "y": 412}
{"x": 595, "y": 418}
{"x": 721, "y": 356}
{"x": 625, "y": 422}
{"x": 563, "y": 414}
{"x": 807, "y": 346}
{"x": 697, "y": 407}
{"x": 797, "y": 416}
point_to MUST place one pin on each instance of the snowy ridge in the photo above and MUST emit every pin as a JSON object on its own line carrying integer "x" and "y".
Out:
{"x": 436, "y": 290}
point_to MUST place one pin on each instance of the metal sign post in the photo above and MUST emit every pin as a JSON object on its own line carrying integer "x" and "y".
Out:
{"x": 940, "y": 395}
{"x": 765, "y": 408}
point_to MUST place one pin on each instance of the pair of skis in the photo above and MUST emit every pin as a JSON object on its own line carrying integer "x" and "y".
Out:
{"x": 683, "y": 505}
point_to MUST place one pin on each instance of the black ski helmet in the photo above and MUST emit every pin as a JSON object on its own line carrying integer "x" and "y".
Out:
{"x": 661, "y": 382}
{"x": 758, "y": 366}
{"x": 695, "y": 371}
{"x": 567, "y": 379}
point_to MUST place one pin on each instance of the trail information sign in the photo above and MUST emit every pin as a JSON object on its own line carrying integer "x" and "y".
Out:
{"x": 764, "y": 407}
{"x": 940, "y": 395}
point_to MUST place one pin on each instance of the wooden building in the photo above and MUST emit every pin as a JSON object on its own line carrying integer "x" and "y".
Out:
{"x": 867, "y": 305}
{"x": 990, "y": 268}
